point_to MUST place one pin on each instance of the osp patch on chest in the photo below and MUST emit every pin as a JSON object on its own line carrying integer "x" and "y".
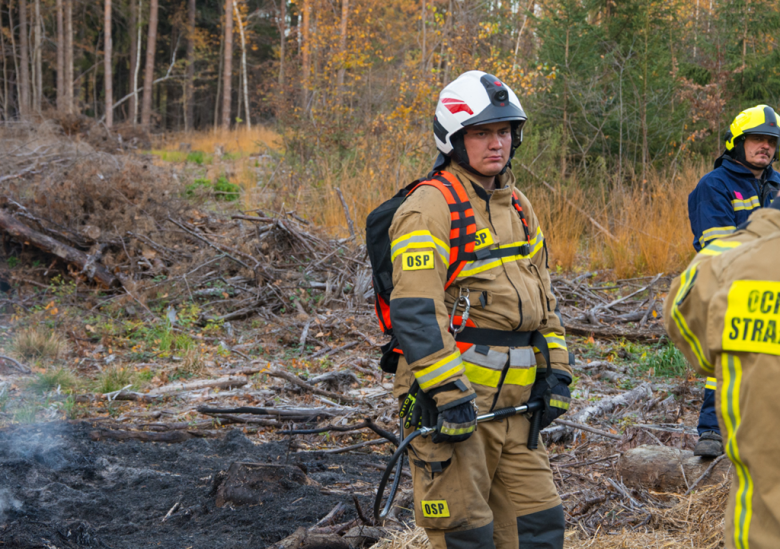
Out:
{"x": 415, "y": 261}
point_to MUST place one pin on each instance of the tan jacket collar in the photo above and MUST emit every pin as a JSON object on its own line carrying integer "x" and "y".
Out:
{"x": 502, "y": 194}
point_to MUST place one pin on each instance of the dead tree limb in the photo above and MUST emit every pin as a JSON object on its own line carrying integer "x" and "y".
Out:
{"x": 25, "y": 234}
{"x": 16, "y": 364}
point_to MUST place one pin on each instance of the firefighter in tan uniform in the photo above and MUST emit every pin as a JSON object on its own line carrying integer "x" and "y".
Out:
{"x": 723, "y": 313}
{"x": 477, "y": 344}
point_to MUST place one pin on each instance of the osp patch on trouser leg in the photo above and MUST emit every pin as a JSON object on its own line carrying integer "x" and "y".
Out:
{"x": 542, "y": 530}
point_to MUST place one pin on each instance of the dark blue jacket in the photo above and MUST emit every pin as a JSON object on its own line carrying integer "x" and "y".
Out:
{"x": 725, "y": 198}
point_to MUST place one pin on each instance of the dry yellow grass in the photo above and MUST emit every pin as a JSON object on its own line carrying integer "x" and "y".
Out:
{"x": 239, "y": 140}
{"x": 37, "y": 343}
{"x": 649, "y": 223}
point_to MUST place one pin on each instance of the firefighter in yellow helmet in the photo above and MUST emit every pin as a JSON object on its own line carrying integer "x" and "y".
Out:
{"x": 723, "y": 313}
{"x": 470, "y": 327}
{"x": 742, "y": 181}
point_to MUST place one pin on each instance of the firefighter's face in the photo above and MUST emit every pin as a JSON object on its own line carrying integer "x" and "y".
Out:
{"x": 488, "y": 147}
{"x": 760, "y": 149}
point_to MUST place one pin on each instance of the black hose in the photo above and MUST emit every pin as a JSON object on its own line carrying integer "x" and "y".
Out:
{"x": 397, "y": 457}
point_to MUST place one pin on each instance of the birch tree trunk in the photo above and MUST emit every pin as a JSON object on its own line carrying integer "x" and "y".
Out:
{"x": 137, "y": 65}
{"x": 189, "y": 88}
{"x": 134, "y": 23}
{"x": 243, "y": 65}
{"x": 227, "y": 66}
{"x": 60, "y": 58}
{"x": 306, "y": 53}
{"x": 5, "y": 67}
{"x": 16, "y": 60}
{"x": 282, "y": 41}
{"x": 37, "y": 59}
{"x": 68, "y": 56}
{"x": 108, "y": 85}
{"x": 24, "y": 62}
{"x": 151, "y": 48}
{"x": 343, "y": 46}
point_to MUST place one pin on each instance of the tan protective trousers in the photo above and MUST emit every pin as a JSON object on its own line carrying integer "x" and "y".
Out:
{"x": 488, "y": 491}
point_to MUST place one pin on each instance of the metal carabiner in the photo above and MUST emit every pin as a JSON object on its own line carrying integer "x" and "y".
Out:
{"x": 463, "y": 298}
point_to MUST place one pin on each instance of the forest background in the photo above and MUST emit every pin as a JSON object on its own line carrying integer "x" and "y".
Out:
{"x": 628, "y": 101}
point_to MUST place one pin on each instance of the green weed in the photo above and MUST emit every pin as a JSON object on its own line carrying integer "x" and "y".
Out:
{"x": 52, "y": 379}
{"x": 665, "y": 362}
{"x": 197, "y": 186}
{"x": 12, "y": 262}
{"x": 199, "y": 158}
{"x": 114, "y": 379}
{"x": 27, "y": 413}
{"x": 226, "y": 190}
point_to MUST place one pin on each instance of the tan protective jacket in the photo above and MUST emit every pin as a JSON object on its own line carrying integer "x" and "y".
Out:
{"x": 723, "y": 313}
{"x": 510, "y": 294}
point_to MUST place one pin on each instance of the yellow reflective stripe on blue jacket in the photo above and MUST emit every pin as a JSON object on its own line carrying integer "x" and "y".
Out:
{"x": 732, "y": 418}
{"x": 748, "y": 204}
{"x": 716, "y": 232}
{"x": 686, "y": 282}
{"x": 420, "y": 239}
{"x": 717, "y": 247}
{"x": 481, "y": 265}
{"x": 711, "y": 383}
{"x": 555, "y": 341}
{"x": 439, "y": 371}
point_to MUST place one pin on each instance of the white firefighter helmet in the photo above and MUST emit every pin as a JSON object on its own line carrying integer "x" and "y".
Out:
{"x": 475, "y": 98}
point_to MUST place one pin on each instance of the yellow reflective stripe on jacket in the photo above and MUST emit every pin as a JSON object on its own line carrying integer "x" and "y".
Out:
{"x": 447, "y": 367}
{"x": 686, "y": 281}
{"x": 748, "y": 204}
{"x": 717, "y": 247}
{"x": 520, "y": 376}
{"x": 711, "y": 383}
{"x": 716, "y": 232}
{"x": 729, "y": 402}
{"x": 482, "y": 375}
{"x": 420, "y": 239}
{"x": 481, "y": 265}
{"x": 490, "y": 377}
{"x": 555, "y": 341}
{"x": 562, "y": 404}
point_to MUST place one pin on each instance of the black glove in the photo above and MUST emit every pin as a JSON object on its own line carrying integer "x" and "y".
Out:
{"x": 556, "y": 396}
{"x": 454, "y": 423}
{"x": 419, "y": 409}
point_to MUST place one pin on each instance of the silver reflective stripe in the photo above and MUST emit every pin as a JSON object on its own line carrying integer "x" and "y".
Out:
{"x": 455, "y": 364}
{"x": 416, "y": 240}
{"x": 494, "y": 360}
{"x": 523, "y": 357}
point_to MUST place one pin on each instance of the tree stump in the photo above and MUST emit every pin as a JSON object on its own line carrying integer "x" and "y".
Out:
{"x": 252, "y": 483}
{"x": 665, "y": 469}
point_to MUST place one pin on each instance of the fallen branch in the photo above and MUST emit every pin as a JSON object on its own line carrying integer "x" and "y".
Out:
{"x": 221, "y": 383}
{"x": 705, "y": 474}
{"x": 326, "y": 352}
{"x": 587, "y": 428}
{"x": 305, "y": 386}
{"x": 25, "y": 234}
{"x": 289, "y": 413}
{"x": 345, "y": 428}
{"x": 16, "y": 364}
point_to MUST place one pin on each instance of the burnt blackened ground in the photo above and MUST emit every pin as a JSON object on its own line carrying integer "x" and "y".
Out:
{"x": 60, "y": 489}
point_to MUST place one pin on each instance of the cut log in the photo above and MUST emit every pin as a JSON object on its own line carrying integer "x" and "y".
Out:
{"x": 221, "y": 383}
{"x": 665, "y": 469}
{"x": 85, "y": 263}
{"x": 252, "y": 483}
